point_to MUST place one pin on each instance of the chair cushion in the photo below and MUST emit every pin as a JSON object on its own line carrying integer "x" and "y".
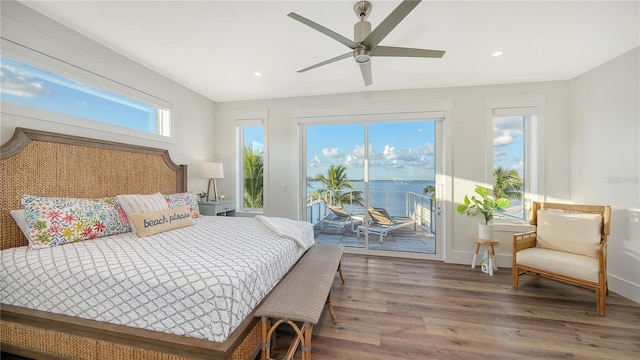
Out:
{"x": 577, "y": 233}
{"x": 568, "y": 264}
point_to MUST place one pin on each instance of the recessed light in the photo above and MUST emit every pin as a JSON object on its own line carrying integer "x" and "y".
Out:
{"x": 257, "y": 74}
{"x": 497, "y": 53}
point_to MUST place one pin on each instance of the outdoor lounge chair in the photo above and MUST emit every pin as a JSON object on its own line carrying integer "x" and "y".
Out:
{"x": 340, "y": 218}
{"x": 382, "y": 224}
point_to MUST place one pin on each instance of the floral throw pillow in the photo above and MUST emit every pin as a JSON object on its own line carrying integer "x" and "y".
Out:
{"x": 57, "y": 221}
{"x": 188, "y": 199}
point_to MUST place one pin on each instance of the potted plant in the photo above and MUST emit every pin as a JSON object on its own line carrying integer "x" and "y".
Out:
{"x": 484, "y": 205}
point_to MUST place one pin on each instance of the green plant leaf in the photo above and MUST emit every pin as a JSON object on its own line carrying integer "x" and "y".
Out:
{"x": 482, "y": 191}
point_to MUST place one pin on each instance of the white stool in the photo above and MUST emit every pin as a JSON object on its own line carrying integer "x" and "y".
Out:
{"x": 489, "y": 243}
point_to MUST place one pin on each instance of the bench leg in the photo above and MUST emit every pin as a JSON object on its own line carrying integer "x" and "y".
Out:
{"x": 266, "y": 345}
{"x": 330, "y": 306}
{"x": 303, "y": 336}
{"x": 340, "y": 271}
{"x": 306, "y": 341}
{"x": 292, "y": 349}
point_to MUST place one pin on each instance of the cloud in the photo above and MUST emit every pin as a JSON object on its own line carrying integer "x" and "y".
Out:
{"x": 503, "y": 139}
{"x": 356, "y": 158}
{"x": 351, "y": 160}
{"x": 315, "y": 161}
{"x": 429, "y": 149}
{"x": 506, "y": 129}
{"x": 519, "y": 166}
{"x": 389, "y": 153}
{"x": 331, "y": 153}
{"x": 19, "y": 86}
{"x": 498, "y": 154}
{"x": 415, "y": 156}
{"x": 358, "y": 151}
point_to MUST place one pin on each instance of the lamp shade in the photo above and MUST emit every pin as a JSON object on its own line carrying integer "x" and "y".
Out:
{"x": 212, "y": 170}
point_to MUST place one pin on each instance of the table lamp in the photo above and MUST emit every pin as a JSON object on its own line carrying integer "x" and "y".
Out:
{"x": 212, "y": 171}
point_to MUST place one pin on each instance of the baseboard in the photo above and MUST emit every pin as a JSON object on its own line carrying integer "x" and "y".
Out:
{"x": 619, "y": 286}
{"x": 624, "y": 288}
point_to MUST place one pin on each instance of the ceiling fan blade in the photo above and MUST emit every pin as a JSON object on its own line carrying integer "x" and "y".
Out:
{"x": 330, "y": 33}
{"x": 388, "y": 24}
{"x": 365, "y": 69}
{"x": 343, "y": 56}
{"x": 406, "y": 52}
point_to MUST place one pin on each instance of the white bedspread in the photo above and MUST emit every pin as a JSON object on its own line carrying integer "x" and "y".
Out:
{"x": 201, "y": 281}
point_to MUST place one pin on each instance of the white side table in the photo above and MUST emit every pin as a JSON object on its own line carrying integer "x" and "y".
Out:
{"x": 217, "y": 208}
{"x": 489, "y": 243}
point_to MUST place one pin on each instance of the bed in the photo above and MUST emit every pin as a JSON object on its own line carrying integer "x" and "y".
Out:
{"x": 130, "y": 315}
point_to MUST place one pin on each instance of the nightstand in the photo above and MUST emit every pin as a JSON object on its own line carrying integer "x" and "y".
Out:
{"x": 217, "y": 208}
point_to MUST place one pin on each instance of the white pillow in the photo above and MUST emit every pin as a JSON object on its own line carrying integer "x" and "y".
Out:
{"x": 576, "y": 233}
{"x": 20, "y": 219}
{"x": 136, "y": 204}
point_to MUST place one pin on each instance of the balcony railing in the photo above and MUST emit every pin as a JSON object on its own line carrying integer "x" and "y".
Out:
{"x": 397, "y": 203}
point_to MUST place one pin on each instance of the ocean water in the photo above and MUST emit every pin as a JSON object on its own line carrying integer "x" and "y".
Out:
{"x": 388, "y": 194}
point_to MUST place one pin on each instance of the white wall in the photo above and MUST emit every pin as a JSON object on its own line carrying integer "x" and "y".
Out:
{"x": 605, "y": 159}
{"x": 192, "y": 113}
{"x": 591, "y": 136}
{"x": 467, "y": 135}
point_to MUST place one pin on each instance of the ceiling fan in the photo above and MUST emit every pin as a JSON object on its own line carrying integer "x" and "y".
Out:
{"x": 365, "y": 43}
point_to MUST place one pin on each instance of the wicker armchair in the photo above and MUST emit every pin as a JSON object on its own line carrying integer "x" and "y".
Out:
{"x": 569, "y": 244}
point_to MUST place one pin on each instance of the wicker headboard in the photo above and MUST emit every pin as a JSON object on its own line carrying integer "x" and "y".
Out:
{"x": 48, "y": 164}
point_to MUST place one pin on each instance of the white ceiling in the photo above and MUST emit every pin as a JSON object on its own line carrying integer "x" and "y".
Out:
{"x": 214, "y": 47}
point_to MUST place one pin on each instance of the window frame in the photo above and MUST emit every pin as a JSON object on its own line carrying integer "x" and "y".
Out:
{"x": 251, "y": 119}
{"x": 439, "y": 110}
{"x": 532, "y": 109}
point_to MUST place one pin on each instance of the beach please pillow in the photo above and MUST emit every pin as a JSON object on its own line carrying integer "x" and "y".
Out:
{"x": 137, "y": 203}
{"x": 159, "y": 221}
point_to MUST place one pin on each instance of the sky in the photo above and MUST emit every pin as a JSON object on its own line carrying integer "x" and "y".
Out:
{"x": 508, "y": 143}
{"x": 399, "y": 151}
{"x": 27, "y": 85}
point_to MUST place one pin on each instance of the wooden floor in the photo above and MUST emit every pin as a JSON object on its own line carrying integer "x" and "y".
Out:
{"x": 412, "y": 309}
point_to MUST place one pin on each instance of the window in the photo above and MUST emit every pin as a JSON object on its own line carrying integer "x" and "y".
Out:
{"x": 515, "y": 165}
{"x": 508, "y": 162}
{"x": 399, "y": 176}
{"x": 40, "y": 86}
{"x": 252, "y": 151}
{"x": 394, "y": 157}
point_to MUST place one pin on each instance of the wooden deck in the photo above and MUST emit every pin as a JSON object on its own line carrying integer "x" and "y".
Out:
{"x": 392, "y": 308}
{"x": 403, "y": 239}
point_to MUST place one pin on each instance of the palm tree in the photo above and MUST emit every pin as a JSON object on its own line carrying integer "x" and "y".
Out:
{"x": 253, "y": 178}
{"x": 507, "y": 184}
{"x": 430, "y": 190}
{"x": 335, "y": 181}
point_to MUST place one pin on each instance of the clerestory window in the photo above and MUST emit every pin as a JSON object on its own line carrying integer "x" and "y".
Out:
{"x": 35, "y": 87}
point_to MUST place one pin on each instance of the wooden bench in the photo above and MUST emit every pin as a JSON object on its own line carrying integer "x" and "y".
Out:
{"x": 300, "y": 298}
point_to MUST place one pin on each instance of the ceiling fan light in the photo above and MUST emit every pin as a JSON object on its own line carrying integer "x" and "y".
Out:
{"x": 363, "y": 59}
{"x": 362, "y": 56}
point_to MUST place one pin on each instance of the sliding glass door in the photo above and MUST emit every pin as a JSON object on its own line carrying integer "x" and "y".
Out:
{"x": 378, "y": 197}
